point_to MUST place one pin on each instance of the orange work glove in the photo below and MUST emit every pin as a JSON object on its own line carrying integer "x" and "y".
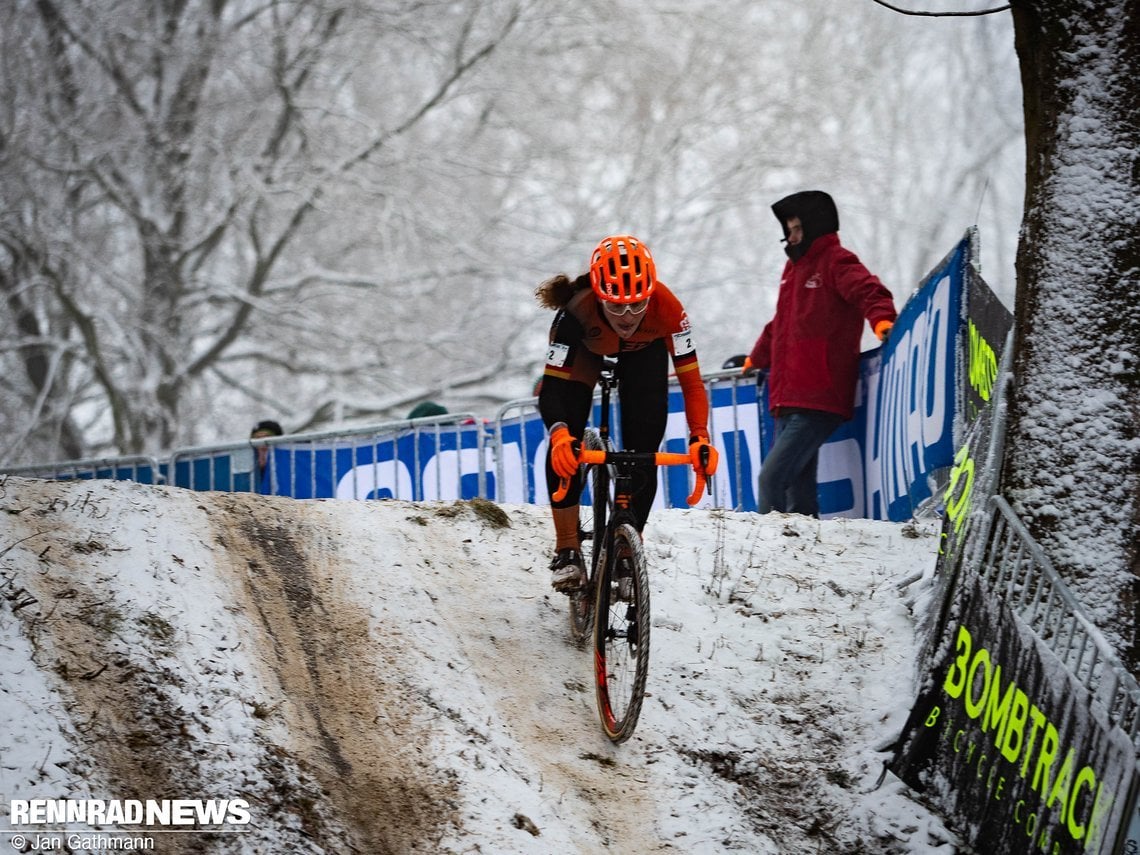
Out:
{"x": 747, "y": 367}
{"x": 883, "y": 329}
{"x": 563, "y": 457}
{"x": 697, "y": 445}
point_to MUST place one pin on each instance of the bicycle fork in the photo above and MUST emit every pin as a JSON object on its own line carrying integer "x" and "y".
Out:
{"x": 630, "y": 631}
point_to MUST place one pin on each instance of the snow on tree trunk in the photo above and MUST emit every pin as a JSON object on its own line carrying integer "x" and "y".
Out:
{"x": 1072, "y": 465}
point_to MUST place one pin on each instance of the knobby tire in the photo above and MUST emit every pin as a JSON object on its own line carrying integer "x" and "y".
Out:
{"x": 621, "y": 637}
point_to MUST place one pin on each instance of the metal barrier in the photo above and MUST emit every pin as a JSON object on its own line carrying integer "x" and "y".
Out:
{"x": 513, "y": 416}
{"x": 502, "y": 459}
{"x": 1015, "y": 566}
{"x": 734, "y": 453}
{"x": 141, "y": 469}
{"x": 291, "y": 465}
{"x": 304, "y": 465}
{"x": 1014, "y": 570}
{"x": 230, "y": 467}
{"x": 452, "y": 456}
{"x": 1000, "y": 549}
{"x": 372, "y": 473}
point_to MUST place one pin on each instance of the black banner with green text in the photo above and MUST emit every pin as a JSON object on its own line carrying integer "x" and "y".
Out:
{"x": 1008, "y": 744}
{"x": 987, "y": 322}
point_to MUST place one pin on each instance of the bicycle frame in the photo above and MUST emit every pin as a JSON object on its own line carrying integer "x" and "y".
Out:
{"x": 615, "y": 598}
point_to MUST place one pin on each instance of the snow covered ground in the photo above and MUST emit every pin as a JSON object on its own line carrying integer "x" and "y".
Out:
{"x": 394, "y": 677}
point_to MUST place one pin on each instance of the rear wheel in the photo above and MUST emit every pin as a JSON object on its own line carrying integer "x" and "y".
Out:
{"x": 593, "y": 529}
{"x": 621, "y": 635}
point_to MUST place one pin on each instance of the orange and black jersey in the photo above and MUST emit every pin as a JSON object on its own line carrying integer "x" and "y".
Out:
{"x": 581, "y": 336}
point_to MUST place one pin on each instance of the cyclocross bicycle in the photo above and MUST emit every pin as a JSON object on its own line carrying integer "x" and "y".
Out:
{"x": 614, "y": 599}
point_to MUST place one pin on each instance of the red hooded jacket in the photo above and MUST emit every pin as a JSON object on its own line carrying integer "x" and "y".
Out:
{"x": 811, "y": 347}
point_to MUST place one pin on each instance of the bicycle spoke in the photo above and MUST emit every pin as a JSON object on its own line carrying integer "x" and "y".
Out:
{"x": 621, "y": 656}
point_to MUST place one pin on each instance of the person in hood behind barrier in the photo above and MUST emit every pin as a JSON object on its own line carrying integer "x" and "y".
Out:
{"x": 618, "y": 308}
{"x": 810, "y": 349}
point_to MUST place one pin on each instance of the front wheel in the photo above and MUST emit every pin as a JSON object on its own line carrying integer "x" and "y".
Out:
{"x": 621, "y": 635}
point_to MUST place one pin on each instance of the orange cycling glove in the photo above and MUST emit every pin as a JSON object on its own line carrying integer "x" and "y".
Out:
{"x": 883, "y": 329}
{"x": 697, "y": 445}
{"x": 563, "y": 457}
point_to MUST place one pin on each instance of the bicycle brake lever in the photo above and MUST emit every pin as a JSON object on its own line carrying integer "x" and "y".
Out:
{"x": 698, "y": 488}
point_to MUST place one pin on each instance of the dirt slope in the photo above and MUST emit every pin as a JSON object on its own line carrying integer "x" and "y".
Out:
{"x": 342, "y": 721}
{"x": 387, "y": 677}
{"x": 339, "y": 761}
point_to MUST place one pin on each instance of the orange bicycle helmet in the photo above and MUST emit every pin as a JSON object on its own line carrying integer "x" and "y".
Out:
{"x": 622, "y": 270}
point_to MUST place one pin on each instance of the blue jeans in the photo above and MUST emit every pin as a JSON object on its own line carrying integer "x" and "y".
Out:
{"x": 788, "y": 476}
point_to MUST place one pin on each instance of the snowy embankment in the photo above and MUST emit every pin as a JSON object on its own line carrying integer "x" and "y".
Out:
{"x": 396, "y": 677}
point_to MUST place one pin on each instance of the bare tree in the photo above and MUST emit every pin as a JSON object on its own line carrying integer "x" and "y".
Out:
{"x": 165, "y": 181}
{"x": 1073, "y": 464}
{"x": 323, "y": 211}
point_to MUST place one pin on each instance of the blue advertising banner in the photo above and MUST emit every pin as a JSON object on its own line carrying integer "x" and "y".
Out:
{"x": 910, "y": 429}
{"x": 416, "y": 465}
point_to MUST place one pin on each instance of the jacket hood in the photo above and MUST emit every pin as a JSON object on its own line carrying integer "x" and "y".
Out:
{"x": 817, "y": 213}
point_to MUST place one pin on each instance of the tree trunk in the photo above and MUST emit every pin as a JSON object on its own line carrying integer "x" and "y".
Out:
{"x": 47, "y": 395}
{"x": 1072, "y": 466}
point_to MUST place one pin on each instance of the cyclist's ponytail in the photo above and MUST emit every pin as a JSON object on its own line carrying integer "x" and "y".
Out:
{"x": 557, "y": 291}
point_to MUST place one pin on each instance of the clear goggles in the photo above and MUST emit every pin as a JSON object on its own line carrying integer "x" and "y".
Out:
{"x": 619, "y": 309}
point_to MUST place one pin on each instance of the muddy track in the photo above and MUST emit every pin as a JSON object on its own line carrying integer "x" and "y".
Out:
{"x": 347, "y": 719}
{"x": 516, "y": 639}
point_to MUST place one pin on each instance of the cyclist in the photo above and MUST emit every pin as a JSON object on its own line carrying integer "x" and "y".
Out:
{"x": 618, "y": 308}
